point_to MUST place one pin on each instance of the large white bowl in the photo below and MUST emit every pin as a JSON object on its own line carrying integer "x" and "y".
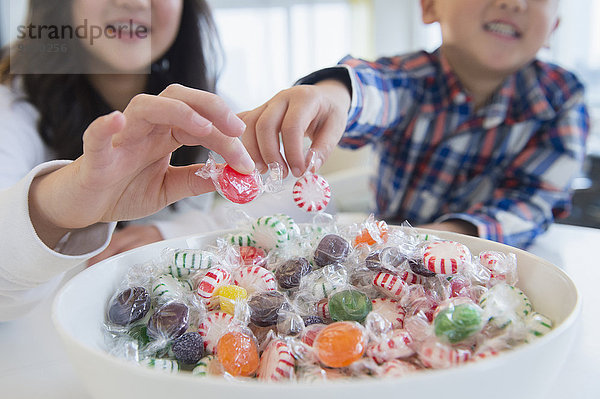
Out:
{"x": 79, "y": 308}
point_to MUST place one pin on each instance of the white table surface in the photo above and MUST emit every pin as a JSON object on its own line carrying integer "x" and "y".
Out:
{"x": 33, "y": 363}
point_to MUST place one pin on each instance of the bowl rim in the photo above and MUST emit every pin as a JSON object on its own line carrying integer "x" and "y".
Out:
{"x": 483, "y": 364}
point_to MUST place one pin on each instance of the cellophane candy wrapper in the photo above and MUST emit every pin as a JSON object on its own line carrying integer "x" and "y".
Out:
{"x": 311, "y": 192}
{"x": 237, "y": 187}
{"x": 277, "y": 301}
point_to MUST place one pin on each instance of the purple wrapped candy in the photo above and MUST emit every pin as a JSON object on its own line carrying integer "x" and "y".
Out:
{"x": 189, "y": 348}
{"x": 331, "y": 249}
{"x": 417, "y": 267}
{"x": 169, "y": 321}
{"x": 289, "y": 273}
{"x": 129, "y": 306}
{"x": 265, "y": 307}
{"x": 388, "y": 258}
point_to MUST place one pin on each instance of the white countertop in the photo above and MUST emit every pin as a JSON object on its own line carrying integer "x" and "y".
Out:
{"x": 33, "y": 363}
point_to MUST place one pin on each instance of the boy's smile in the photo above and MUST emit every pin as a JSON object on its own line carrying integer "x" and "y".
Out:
{"x": 503, "y": 29}
{"x": 491, "y": 37}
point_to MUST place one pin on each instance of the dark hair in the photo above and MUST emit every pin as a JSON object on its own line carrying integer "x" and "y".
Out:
{"x": 68, "y": 103}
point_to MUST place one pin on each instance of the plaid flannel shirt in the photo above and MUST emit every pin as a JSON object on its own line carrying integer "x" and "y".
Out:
{"x": 506, "y": 167}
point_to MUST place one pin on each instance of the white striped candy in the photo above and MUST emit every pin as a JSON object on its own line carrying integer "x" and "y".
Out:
{"x": 165, "y": 365}
{"x": 213, "y": 303}
{"x": 276, "y": 362}
{"x": 269, "y": 232}
{"x": 389, "y": 284}
{"x": 311, "y": 193}
{"x": 398, "y": 344}
{"x": 184, "y": 262}
{"x": 538, "y": 325}
{"x": 166, "y": 288}
{"x": 391, "y": 310}
{"x": 502, "y": 267}
{"x": 203, "y": 367}
{"x": 292, "y": 228}
{"x": 323, "y": 309}
{"x": 504, "y": 304}
{"x": 397, "y": 368}
{"x": 241, "y": 240}
{"x": 412, "y": 278}
{"x": 213, "y": 328}
{"x": 484, "y": 354}
{"x": 254, "y": 279}
{"x": 437, "y": 355}
{"x": 212, "y": 280}
{"x": 445, "y": 257}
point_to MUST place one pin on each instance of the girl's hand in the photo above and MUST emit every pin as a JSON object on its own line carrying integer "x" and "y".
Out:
{"x": 124, "y": 172}
{"x": 318, "y": 111}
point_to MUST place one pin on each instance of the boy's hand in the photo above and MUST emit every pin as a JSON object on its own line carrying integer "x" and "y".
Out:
{"x": 319, "y": 112}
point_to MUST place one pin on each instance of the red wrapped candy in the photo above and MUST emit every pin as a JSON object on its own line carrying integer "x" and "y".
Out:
{"x": 237, "y": 187}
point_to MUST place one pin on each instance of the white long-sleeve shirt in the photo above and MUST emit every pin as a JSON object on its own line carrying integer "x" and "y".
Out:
{"x": 28, "y": 269}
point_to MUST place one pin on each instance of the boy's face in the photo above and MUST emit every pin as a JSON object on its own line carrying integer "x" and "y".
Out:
{"x": 494, "y": 35}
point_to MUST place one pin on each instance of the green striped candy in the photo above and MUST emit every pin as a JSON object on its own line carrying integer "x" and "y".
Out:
{"x": 269, "y": 232}
{"x": 241, "y": 240}
{"x": 166, "y": 365}
{"x": 538, "y": 325}
{"x": 504, "y": 304}
{"x": 322, "y": 283}
{"x": 166, "y": 287}
{"x": 292, "y": 228}
{"x": 185, "y": 262}
{"x": 202, "y": 367}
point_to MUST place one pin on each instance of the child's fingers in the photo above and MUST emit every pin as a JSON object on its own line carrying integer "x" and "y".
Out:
{"x": 186, "y": 127}
{"x": 297, "y": 120}
{"x": 231, "y": 149}
{"x": 182, "y": 182}
{"x": 249, "y": 137}
{"x": 145, "y": 111}
{"x": 267, "y": 128}
{"x": 97, "y": 137}
{"x": 326, "y": 138}
{"x": 210, "y": 106}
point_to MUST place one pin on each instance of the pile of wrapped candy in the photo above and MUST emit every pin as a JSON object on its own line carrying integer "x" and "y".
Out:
{"x": 281, "y": 302}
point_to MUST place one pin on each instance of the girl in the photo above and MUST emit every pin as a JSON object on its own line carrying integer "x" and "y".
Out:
{"x": 122, "y": 171}
{"x": 62, "y": 92}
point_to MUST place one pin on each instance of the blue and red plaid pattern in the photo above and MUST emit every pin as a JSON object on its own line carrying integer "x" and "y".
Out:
{"x": 505, "y": 167}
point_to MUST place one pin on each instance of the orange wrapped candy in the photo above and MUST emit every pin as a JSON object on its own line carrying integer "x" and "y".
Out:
{"x": 379, "y": 227}
{"x": 340, "y": 344}
{"x": 238, "y": 354}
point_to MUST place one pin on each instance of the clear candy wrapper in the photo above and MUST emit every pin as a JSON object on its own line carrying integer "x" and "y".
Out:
{"x": 237, "y": 187}
{"x": 281, "y": 302}
{"x": 311, "y": 192}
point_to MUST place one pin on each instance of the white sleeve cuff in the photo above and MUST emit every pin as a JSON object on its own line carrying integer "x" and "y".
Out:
{"x": 27, "y": 261}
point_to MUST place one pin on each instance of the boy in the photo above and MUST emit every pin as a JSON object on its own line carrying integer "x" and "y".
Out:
{"x": 478, "y": 137}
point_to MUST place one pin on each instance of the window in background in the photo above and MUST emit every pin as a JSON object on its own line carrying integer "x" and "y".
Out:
{"x": 270, "y": 44}
{"x": 4, "y": 22}
{"x": 575, "y": 46}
